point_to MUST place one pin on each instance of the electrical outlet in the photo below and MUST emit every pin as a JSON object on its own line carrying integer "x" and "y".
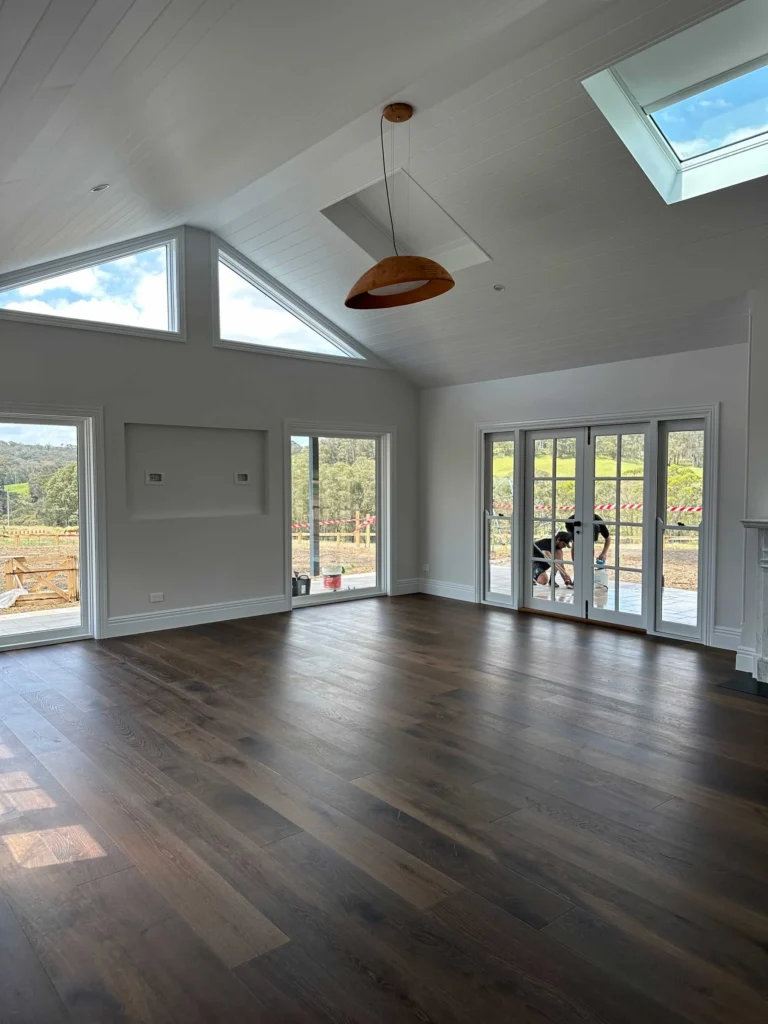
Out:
{"x": 425, "y": 569}
{"x": 159, "y": 596}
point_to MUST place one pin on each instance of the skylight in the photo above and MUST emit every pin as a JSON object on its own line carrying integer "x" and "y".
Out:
{"x": 730, "y": 112}
{"x": 130, "y": 291}
{"x": 248, "y": 316}
{"x": 693, "y": 108}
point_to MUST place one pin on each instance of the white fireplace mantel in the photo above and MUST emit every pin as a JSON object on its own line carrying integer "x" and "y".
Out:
{"x": 760, "y": 670}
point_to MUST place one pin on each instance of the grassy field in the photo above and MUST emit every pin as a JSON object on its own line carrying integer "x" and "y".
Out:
{"x": 17, "y": 488}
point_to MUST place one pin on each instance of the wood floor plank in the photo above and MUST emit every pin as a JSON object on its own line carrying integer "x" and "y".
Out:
{"x": 233, "y": 928}
{"x": 26, "y": 992}
{"x": 117, "y": 953}
{"x": 382, "y": 811}
{"x": 404, "y": 874}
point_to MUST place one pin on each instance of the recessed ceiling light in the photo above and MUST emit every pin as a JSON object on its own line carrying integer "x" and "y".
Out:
{"x": 100, "y": 188}
{"x": 499, "y": 287}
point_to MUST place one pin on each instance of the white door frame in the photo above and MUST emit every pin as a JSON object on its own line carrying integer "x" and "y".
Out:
{"x": 385, "y": 495}
{"x": 711, "y": 416}
{"x": 488, "y": 596}
{"x": 91, "y": 518}
{"x": 616, "y": 616}
{"x": 680, "y": 630}
{"x": 572, "y": 609}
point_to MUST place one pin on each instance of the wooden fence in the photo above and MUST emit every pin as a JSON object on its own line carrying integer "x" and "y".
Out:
{"x": 36, "y": 536}
{"x": 360, "y": 536}
{"x": 39, "y": 579}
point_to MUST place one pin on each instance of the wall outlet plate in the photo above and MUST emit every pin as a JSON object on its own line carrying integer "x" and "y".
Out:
{"x": 159, "y": 596}
{"x": 154, "y": 478}
{"x": 242, "y": 479}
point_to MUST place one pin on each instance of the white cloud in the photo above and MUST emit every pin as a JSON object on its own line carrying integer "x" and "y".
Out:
{"x": 121, "y": 292}
{"x": 248, "y": 315}
{"x": 697, "y": 147}
{"x": 85, "y": 281}
{"x": 716, "y": 104}
{"x": 38, "y": 433}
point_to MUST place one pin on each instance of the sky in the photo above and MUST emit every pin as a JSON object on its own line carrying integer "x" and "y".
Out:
{"x": 717, "y": 117}
{"x": 132, "y": 291}
{"x": 249, "y": 315}
{"x": 38, "y": 433}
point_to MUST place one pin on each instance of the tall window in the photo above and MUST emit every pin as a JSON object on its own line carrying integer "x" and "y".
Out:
{"x": 133, "y": 290}
{"x": 250, "y": 316}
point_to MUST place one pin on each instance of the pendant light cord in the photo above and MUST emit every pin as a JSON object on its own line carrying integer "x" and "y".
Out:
{"x": 386, "y": 184}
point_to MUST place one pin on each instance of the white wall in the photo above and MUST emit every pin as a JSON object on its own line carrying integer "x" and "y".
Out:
{"x": 204, "y": 561}
{"x": 449, "y": 417}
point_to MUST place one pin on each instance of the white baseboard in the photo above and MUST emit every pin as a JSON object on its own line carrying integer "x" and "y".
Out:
{"x": 745, "y": 660}
{"x": 727, "y": 638}
{"x": 406, "y": 587}
{"x": 453, "y": 591}
{"x": 175, "y": 618}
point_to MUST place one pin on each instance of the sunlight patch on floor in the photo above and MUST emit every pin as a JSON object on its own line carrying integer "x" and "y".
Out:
{"x": 20, "y": 792}
{"x": 52, "y": 846}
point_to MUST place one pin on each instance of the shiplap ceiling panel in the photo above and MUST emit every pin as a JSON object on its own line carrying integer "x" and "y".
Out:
{"x": 249, "y": 118}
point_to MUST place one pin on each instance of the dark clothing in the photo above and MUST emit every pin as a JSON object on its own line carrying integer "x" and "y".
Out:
{"x": 541, "y": 547}
{"x": 599, "y": 527}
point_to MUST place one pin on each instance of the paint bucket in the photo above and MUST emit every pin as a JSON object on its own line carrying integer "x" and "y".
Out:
{"x": 332, "y": 577}
{"x": 601, "y": 575}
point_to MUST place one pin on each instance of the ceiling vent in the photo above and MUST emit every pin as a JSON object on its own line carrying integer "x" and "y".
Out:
{"x": 422, "y": 226}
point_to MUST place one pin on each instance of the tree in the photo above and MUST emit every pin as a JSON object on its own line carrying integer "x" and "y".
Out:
{"x": 60, "y": 497}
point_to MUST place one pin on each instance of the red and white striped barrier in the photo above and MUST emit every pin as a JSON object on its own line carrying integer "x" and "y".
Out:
{"x": 609, "y": 507}
{"x": 337, "y": 522}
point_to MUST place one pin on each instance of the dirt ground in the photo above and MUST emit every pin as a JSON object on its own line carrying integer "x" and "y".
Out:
{"x": 354, "y": 559}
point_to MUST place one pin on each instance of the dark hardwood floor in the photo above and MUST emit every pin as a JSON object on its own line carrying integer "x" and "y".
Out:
{"x": 389, "y": 810}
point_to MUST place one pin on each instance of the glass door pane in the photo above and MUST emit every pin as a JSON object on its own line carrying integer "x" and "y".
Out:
{"x": 334, "y": 486}
{"x": 500, "y": 483}
{"x": 39, "y": 531}
{"x": 680, "y": 522}
{"x": 616, "y": 482}
{"x": 553, "y": 466}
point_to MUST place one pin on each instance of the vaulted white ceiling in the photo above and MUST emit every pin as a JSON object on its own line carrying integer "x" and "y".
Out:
{"x": 248, "y": 118}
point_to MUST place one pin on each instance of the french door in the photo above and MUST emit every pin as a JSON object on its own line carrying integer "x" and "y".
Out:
{"x": 586, "y": 523}
{"x": 499, "y": 507}
{"x": 46, "y": 529}
{"x": 337, "y": 540}
{"x": 679, "y": 528}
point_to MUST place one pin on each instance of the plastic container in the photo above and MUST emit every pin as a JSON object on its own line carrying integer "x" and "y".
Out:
{"x": 332, "y": 577}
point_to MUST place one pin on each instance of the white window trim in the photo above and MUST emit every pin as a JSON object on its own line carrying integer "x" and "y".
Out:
{"x": 274, "y": 290}
{"x": 674, "y": 180}
{"x": 176, "y": 290}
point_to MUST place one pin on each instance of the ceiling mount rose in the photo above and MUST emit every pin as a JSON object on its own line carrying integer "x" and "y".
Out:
{"x": 398, "y": 112}
{"x": 398, "y": 280}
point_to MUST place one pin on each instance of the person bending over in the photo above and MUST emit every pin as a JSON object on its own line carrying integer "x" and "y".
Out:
{"x": 599, "y": 529}
{"x": 544, "y": 558}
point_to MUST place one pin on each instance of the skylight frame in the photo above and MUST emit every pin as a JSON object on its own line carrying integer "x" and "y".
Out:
{"x": 676, "y": 179}
{"x": 273, "y": 289}
{"x": 175, "y": 276}
{"x": 699, "y": 89}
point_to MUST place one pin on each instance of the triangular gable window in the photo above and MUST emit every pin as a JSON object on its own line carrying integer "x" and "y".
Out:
{"x": 256, "y": 312}
{"x": 136, "y": 290}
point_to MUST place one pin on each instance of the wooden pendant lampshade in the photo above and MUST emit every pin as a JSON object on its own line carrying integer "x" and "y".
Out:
{"x": 398, "y": 280}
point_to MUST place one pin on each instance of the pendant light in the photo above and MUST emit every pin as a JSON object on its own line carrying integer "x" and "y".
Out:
{"x": 398, "y": 280}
